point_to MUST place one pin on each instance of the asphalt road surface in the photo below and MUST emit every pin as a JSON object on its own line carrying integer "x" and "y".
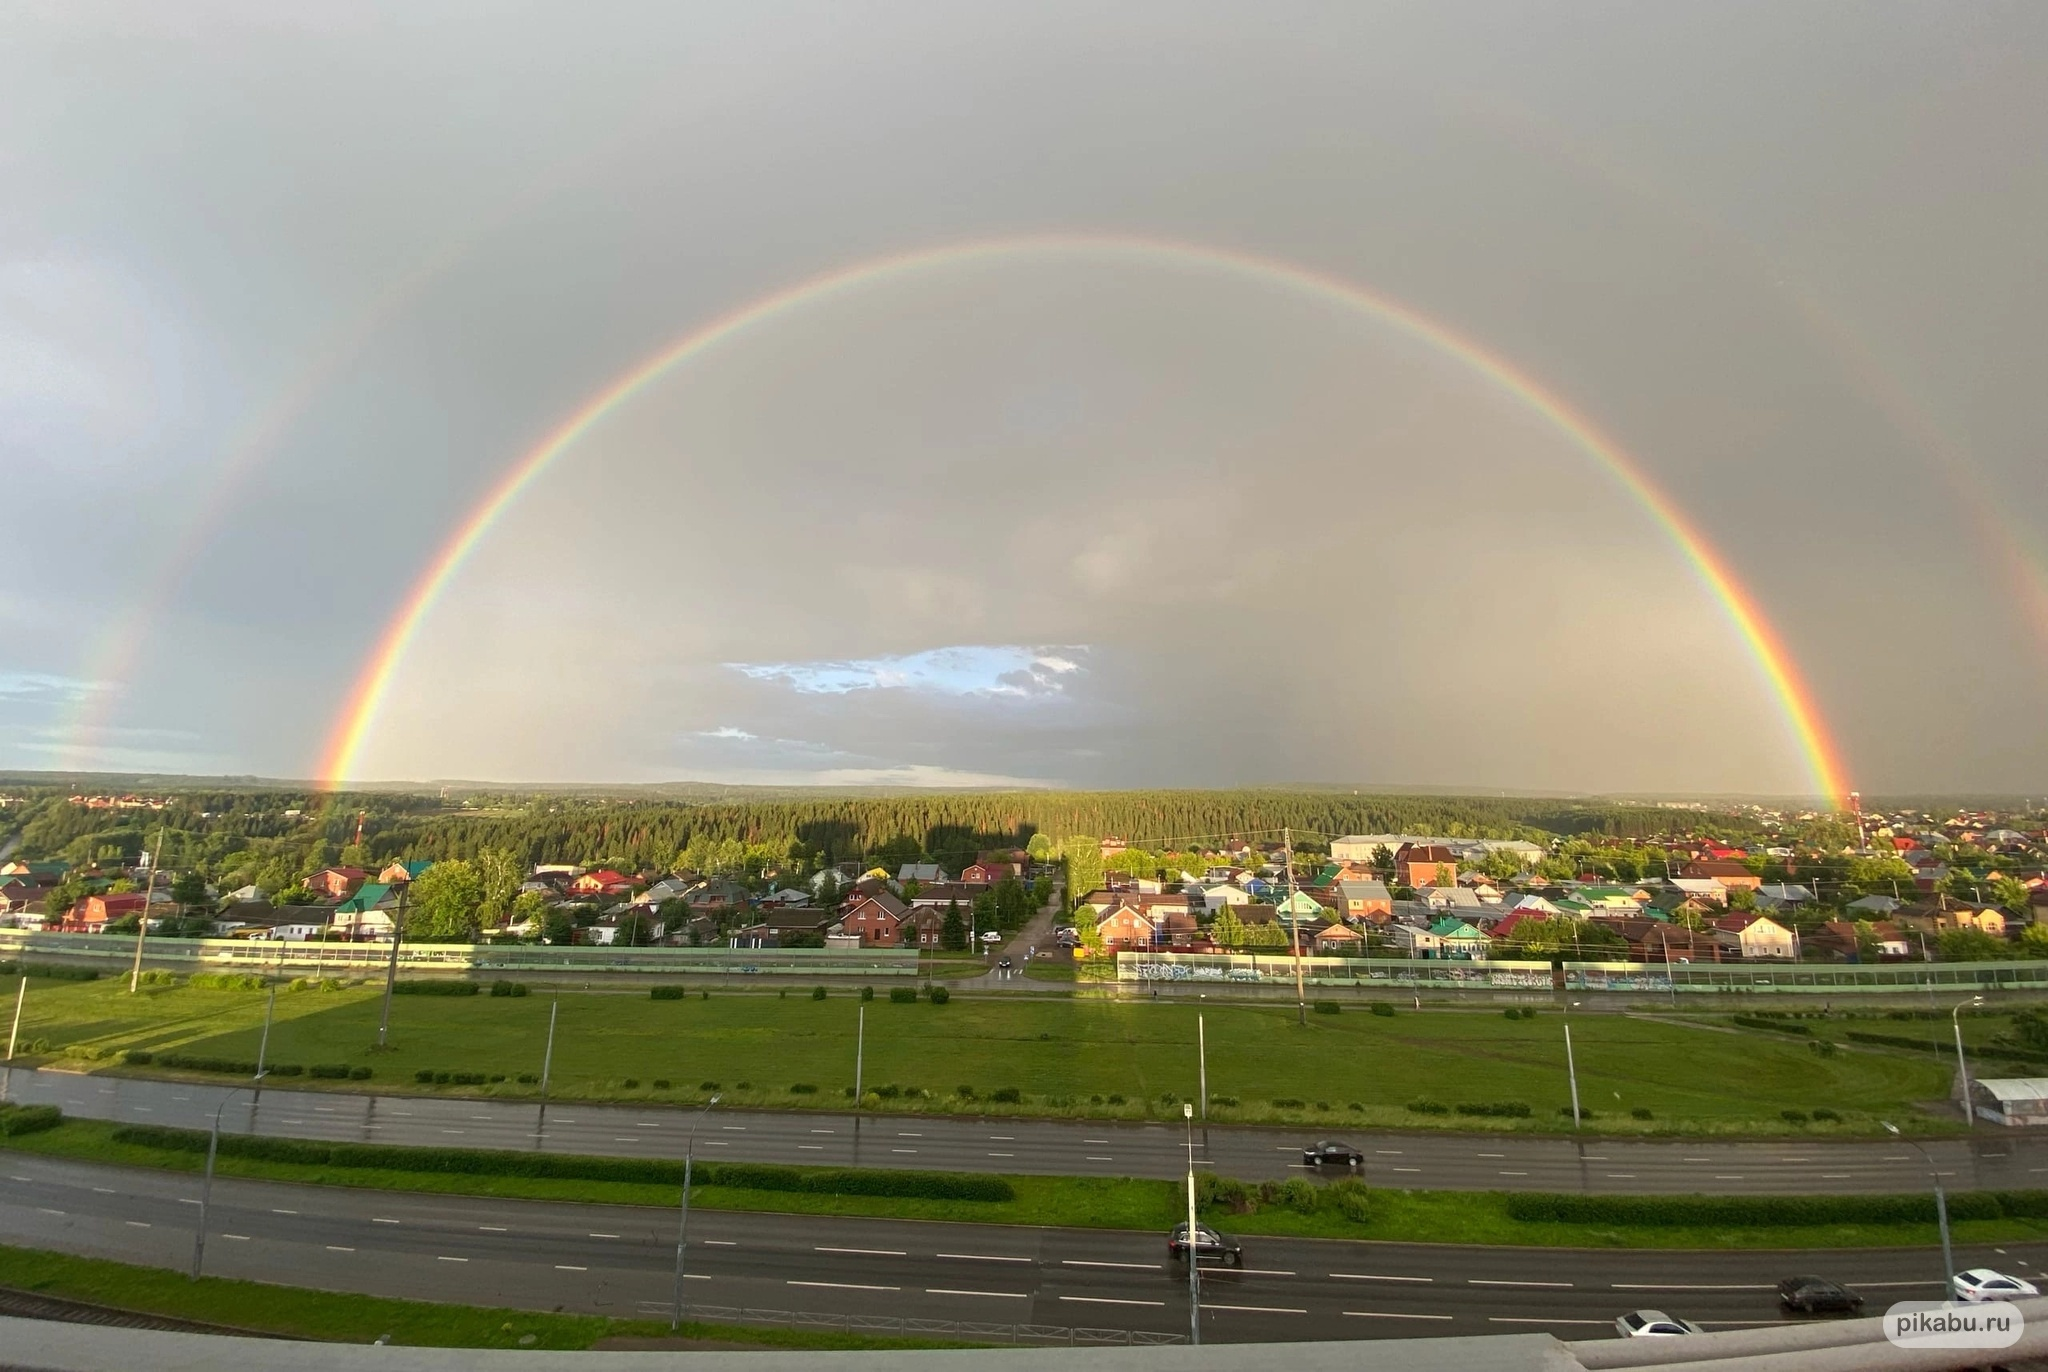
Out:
{"x": 1993, "y": 1158}
{"x": 619, "y": 1260}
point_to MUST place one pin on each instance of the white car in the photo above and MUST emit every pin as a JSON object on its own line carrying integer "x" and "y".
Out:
{"x": 1654, "y": 1324}
{"x": 1983, "y": 1284}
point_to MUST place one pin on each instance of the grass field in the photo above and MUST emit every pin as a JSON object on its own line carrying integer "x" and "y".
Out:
{"x": 343, "y": 1318}
{"x": 1464, "y": 1217}
{"x": 1062, "y": 1056}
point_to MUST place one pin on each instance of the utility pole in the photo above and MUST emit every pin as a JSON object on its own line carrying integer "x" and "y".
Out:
{"x": 1193, "y": 1250}
{"x": 20, "y": 995}
{"x": 263, "y": 1044}
{"x": 142, "y": 924}
{"x": 391, "y": 970}
{"x": 1202, "y": 1052}
{"x": 860, "y": 1049}
{"x": 1294, "y": 927}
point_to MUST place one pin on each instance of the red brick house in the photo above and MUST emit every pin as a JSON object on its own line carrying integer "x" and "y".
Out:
{"x": 1127, "y": 927}
{"x": 603, "y": 882}
{"x": 1425, "y": 865}
{"x": 876, "y": 920}
{"x": 337, "y": 883}
{"x": 922, "y": 926}
{"x": 988, "y": 872}
{"x": 94, "y": 913}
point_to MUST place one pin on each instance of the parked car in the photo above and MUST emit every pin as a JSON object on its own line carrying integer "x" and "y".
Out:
{"x": 1817, "y": 1295}
{"x": 1653, "y": 1324}
{"x": 1210, "y": 1246}
{"x": 1983, "y": 1284}
{"x": 1330, "y": 1153}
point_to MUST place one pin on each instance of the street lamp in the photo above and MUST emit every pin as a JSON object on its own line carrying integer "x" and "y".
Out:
{"x": 1955, "y": 1020}
{"x": 1193, "y": 1250}
{"x": 1948, "y": 1258}
{"x": 1571, "y": 1065}
{"x": 206, "y": 1187}
{"x": 675, "y": 1319}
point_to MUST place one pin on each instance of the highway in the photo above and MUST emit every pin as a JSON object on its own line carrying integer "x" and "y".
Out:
{"x": 619, "y": 1260}
{"x": 1993, "y": 1158}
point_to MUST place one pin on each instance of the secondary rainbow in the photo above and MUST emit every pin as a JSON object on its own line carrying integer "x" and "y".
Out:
{"x": 1802, "y": 715}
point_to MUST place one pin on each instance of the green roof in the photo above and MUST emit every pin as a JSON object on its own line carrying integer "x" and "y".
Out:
{"x": 1450, "y": 927}
{"x": 364, "y": 900}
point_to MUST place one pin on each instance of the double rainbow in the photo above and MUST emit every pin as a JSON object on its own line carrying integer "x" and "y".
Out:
{"x": 359, "y": 712}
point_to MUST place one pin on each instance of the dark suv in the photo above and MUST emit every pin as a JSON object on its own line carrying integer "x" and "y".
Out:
{"x": 1210, "y": 1246}
{"x": 1817, "y": 1295}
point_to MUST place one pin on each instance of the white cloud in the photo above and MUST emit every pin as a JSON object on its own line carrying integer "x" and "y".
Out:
{"x": 964, "y": 670}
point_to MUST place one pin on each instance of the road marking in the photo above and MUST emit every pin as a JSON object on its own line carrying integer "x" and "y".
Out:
{"x": 1699, "y": 1159}
{"x": 2037, "y": 1169}
{"x": 824, "y": 1131}
{"x": 1129, "y": 1266}
{"x": 1514, "y": 1174}
{"x": 903, "y": 1150}
{"x": 446, "y": 1259}
{"x": 1255, "y": 1309}
{"x": 337, "y": 1248}
{"x": 1374, "y": 1276}
{"x": 1889, "y": 1285}
{"x": 1594, "y": 1157}
{"x": 239, "y": 1238}
{"x": 1621, "y": 1176}
{"x": 1388, "y": 1152}
{"x": 981, "y": 1257}
{"x": 492, "y": 1228}
{"x": 1290, "y": 1150}
{"x": 844, "y": 1286}
{"x": 716, "y": 1143}
{"x": 1513, "y": 1319}
{"x": 1092, "y": 1158}
{"x": 1390, "y": 1315}
{"x": 604, "y": 1236}
{"x": 103, "y": 1190}
{"x": 1795, "y": 1159}
{"x": 323, "y": 1109}
{"x": 188, "y": 1200}
{"x": 375, "y": 1220}
{"x": 1834, "y": 1176}
{"x": 565, "y": 1267}
{"x": 284, "y": 1212}
{"x": 814, "y": 1147}
{"x": 1405, "y": 1169}
{"x": 1654, "y": 1286}
{"x": 1005, "y": 1295}
{"x": 1489, "y": 1155}
{"x": 865, "y": 1252}
{"x": 734, "y": 1128}
{"x": 1724, "y": 1176}
{"x": 138, "y": 1224}
{"x": 1106, "y": 1300}
{"x": 1505, "y": 1281}
{"x": 724, "y": 1243}
{"x": 629, "y": 1138}
{"x": 910, "y": 1136}
{"x": 1002, "y": 1155}
{"x": 451, "y": 1131}
{"x": 1262, "y": 1272}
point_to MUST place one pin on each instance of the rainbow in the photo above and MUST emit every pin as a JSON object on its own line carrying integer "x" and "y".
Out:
{"x": 358, "y": 715}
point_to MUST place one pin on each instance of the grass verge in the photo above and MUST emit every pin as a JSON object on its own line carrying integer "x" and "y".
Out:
{"x": 1455, "y": 1217}
{"x": 341, "y": 1318}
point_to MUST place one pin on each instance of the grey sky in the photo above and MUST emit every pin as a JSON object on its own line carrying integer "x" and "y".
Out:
{"x": 292, "y": 288}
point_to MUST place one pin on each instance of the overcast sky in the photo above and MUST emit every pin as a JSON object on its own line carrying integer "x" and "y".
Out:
{"x": 285, "y": 289}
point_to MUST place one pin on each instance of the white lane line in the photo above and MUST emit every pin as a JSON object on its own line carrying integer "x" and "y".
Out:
{"x": 824, "y": 1131}
{"x": 138, "y": 1224}
{"x": 1128, "y": 1266}
{"x": 1106, "y": 1141}
{"x": 981, "y": 1257}
{"x": 239, "y": 1238}
{"x": 1795, "y": 1159}
{"x": 1699, "y": 1159}
{"x": 1514, "y": 1174}
{"x": 813, "y": 1147}
{"x": 1255, "y": 1309}
{"x": 1390, "y": 1315}
{"x": 1003, "y": 1295}
{"x": 721, "y": 1243}
{"x": 103, "y": 1190}
{"x": 728, "y": 1128}
{"x": 1263, "y": 1272}
{"x": 447, "y": 1259}
{"x": 1106, "y": 1300}
{"x": 910, "y": 1136}
{"x": 337, "y": 1248}
{"x": 630, "y": 1138}
{"x": 451, "y": 1131}
{"x": 1092, "y": 1158}
{"x": 843, "y": 1286}
{"x": 188, "y": 1200}
{"x": 492, "y": 1228}
{"x": 1887, "y": 1285}
{"x": 1513, "y": 1319}
{"x": 13, "y": 1178}
{"x": 375, "y": 1220}
{"x": 604, "y": 1236}
{"x": 1621, "y": 1176}
{"x": 1723, "y": 1176}
{"x": 1388, "y": 1152}
{"x": 1002, "y": 1138}
{"x": 1834, "y": 1176}
{"x": 1374, "y": 1276}
{"x": 565, "y": 1267}
{"x": 323, "y": 1109}
{"x": 1489, "y": 1155}
{"x": 903, "y": 1150}
{"x": 1002, "y": 1155}
{"x": 1405, "y": 1169}
{"x": 275, "y": 1211}
{"x": 864, "y": 1252}
{"x": 1656, "y": 1286}
{"x": 716, "y": 1143}
{"x": 1504, "y": 1281}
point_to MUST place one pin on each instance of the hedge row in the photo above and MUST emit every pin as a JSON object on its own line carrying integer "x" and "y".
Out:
{"x": 53, "y": 970}
{"x": 1769, "y": 1022}
{"x": 1987, "y": 1050}
{"x": 237, "y": 1067}
{"x": 679, "y": 993}
{"x": 225, "y": 981}
{"x": 1770, "y": 1211}
{"x": 28, "y": 1119}
{"x": 478, "y": 1162}
{"x": 435, "y": 988}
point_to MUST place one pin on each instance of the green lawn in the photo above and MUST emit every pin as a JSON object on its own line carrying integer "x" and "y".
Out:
{"x": 1466, "y": 1217}
{"x": 336, "y": 1317}
{"x": 1060, "y": 1054}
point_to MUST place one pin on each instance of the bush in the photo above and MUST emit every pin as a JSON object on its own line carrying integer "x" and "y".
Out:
{"x": 157, "y": 977}
{"x": 1328, "y": 1007}
{"x": 1288, "y": 1103}
{"x": 817, "y": 993}
{"x": 1007, "y": 1095}
{"x": 1428, "y": 1107}
{"x": 475, "y": 1162}
{"x": 54, "y": 971}
{"x": 1505, "y": 1109}
{"x": 225, "y": 981}
{"x": 1565, "y": 1112}
{"x": 1825, "y": 1114}
{"x": 667, "y": 992}
{"x": 287, "y": 1069}
{"x": 28, "y": 1119}
{"x": 1792, "y": 1116}
{"x": 1116, "y": 1098}
{"x": 1528, "y": 1012}
{"x": 802, "y": 1088}
{"x": 497, "y": 1077}
{"x": 1823, "y": 1048}
{"x": 358, "y": 1074}
{"x": 743, "y": 1086}
{"x": 1355, "y": 1106}
{"x": 1760, "y": 1211}
{"x": 425, "y": 1076}
{"x": 184, "y": 1062}
{"x": 331, "y": 1071}
{"x": 435, "y": 988}
{"x": 631, "y": 1083}
{"x": 903, "y": 995}
{"x": 527, "y": 1079}
{"x": 660, "y": 1083}
{"x": 1298, "y": 1194}
{"x": 1383, "y": 1008}
{"x": 1769, "y": 1022}
{"x": 964, "y": 1092}
{"x": 136, "y": 1057}
{"x": 707, "y": 1086}
{"x": 508, "y": 988}
{"x": 889, "y": 1092}
{"x": 867, "y": 993}
{"x": 1223, "y": 1100}
{"x": 1512, "y": 1012}
{"x": 940, "y": 995}
{"x": 1640, "y": 1112}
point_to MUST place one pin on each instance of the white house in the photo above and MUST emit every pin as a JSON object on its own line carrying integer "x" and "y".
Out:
{"x": 1413, "y": 942}
{"x": 1216, "y": 897}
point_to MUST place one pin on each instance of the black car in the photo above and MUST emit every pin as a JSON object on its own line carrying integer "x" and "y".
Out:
{"x": 1210, "y": 1246}
{"x": 1330, "y": 1153}
{"x": 1817, "y": 1295}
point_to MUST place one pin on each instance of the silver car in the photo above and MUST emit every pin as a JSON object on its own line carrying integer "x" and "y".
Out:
{"x": 1654, "y": 1324}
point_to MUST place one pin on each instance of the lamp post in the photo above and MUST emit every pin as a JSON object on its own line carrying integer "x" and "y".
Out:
{"x": 1202, "y": 1054}
{"x": 675, "y": 1319}
{"x": 390, "y": 968}
{"x": 1955, "y": 1020}
{"x": 1571, "y": 1065}
{"x": 20, "y": 996}
{"x": 1948, "y": 1258}
{"x": 547, "y": 1063}
{"x": 206, "y": 1187}
{"x": 1193, "y": 1250}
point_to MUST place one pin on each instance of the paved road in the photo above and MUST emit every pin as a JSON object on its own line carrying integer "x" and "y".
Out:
{"x": 1992, "y": 1159}
{"x": 619, "y": 1260}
